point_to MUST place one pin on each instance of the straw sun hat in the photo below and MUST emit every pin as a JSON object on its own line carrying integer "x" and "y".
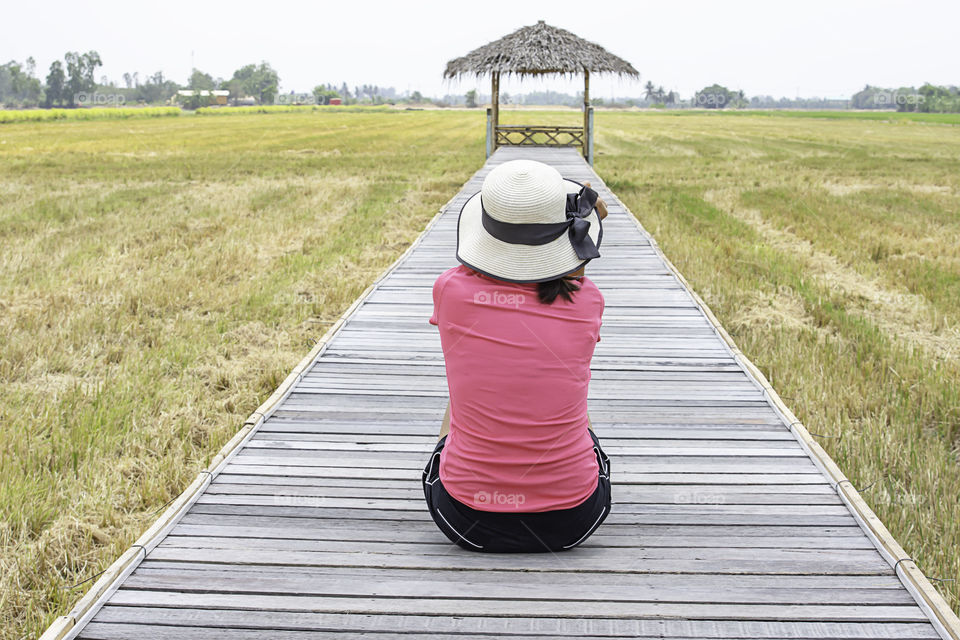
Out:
{"x": 528, "y": 224}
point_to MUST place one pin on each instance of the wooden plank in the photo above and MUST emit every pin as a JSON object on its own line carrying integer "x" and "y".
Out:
{"x": 543, "y": 627}
{"x": 882, "y": 588}
{"x": 660, "y": 534}
{"x": 809, "y": 556}
{"x": 625, "y": 494}
{"x": 613, "y": 448}
{"x": 611, "y": 536}
{"x": 535, "y": 588}
{"x": 646, "y": 477}
{"x": 553, "y": 609}
{"x": 591, "y": 559}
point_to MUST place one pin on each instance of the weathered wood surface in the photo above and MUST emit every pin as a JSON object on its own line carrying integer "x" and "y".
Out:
{"x": 722, "y": 526}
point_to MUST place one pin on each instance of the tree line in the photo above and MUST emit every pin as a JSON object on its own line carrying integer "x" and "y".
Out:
{"x": 72, "y": 83}
{"x": 929, "y": 98}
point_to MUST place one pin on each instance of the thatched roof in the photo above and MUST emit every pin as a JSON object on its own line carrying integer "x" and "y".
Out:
{"x": 539, "y": 49}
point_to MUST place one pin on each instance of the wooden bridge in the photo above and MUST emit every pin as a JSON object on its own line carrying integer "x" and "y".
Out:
{"x": 728, "y": 520}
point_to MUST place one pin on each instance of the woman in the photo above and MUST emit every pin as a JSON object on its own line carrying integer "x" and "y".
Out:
{"x": 518, "y": 467}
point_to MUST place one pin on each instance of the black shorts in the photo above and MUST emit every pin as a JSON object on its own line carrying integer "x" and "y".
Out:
{"x": 506, "y": 532}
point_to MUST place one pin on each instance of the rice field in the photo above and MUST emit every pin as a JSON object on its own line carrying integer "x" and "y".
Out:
{"x": 94, "y": 113}
{"x": 161, "y": 276}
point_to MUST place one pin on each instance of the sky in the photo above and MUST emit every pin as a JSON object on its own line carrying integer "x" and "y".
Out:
{"x": 809, "y": 49}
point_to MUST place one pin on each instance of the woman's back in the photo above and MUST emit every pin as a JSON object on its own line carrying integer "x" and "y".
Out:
{"x": 518, "y": 372}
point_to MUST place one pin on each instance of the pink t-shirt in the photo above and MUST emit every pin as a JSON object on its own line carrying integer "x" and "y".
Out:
{"x": 518, "y": 372}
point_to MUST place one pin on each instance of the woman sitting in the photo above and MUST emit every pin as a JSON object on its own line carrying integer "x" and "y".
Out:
{"x": 518, "y": 467}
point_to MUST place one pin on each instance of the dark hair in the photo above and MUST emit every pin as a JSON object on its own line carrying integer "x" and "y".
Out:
{"x": 563, "y": 286}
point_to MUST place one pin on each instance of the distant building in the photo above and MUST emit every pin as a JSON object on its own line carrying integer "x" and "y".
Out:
{"x": 335, "y": 101}
{"x": 217, "y": 96}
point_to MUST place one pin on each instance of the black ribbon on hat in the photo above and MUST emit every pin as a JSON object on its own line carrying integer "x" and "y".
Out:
{"x": 579, "y": 206}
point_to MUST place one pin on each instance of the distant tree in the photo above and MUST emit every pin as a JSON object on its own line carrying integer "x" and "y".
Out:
{"x": 471, "y": 98}
{"x": 649, "y": 91}
{"x": 89, "y": 63}
{"x": 128, "y": 80}
{"x": 80, "y": 74}
{"x": 717, "y": 97}
{"x": 259, "y": 81}
{"x": 416, "y": 97}
{"x": 56, "y": 83}
{"x": 155, "y": 89}
{"x": 267, "y": 83}
{"x": 198, "y": 83}
{"x": 201, "y": 80}
{"x": 928, "y": 98}
{"x": 936, "y": 99}
{"x": 74, "y": 77}
{"x": 235, "y": 86}
{"x": 505, "y": 98}
{"x": 322, "y": 94}
{"x": 18, "y": 86}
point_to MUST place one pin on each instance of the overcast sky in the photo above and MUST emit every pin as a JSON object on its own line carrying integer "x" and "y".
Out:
{"x": 810, "y": 48}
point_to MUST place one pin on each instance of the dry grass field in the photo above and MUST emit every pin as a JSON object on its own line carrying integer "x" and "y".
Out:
{"x": 160, "y": 276}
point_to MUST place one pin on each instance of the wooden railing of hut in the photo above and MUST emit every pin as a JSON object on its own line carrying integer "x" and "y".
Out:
{"x": 504, "y": 135}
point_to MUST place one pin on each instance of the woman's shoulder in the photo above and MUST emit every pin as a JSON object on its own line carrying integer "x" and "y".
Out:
{"x": 458, "y": 271}
{"x": 592, "y": 291}
{"x": 589, "y": 285}
{"x": 471, "y": 277}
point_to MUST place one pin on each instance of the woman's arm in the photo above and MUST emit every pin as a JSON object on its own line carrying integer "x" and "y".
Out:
{"x": 445, "y": 427}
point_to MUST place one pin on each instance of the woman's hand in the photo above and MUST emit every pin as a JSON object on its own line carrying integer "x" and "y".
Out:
{"x": 601, "y": 213}
{"x": 601, "y": 205}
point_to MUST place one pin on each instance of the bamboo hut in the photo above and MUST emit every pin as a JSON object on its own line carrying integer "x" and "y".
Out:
{"x": 539, "y": 50}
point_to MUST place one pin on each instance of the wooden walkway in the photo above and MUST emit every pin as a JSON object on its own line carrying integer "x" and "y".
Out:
{"x": 724, "y": 524}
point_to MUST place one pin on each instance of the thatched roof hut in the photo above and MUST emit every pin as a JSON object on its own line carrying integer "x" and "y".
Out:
{"x": 538, "y": 50}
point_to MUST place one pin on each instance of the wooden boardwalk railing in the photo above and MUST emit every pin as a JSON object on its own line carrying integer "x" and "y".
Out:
{"x": 728, "y": 521}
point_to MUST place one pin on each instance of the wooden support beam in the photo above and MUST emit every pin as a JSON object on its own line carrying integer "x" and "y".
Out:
{"x": 495, "y": 103}
{"x": 586, "y": 109}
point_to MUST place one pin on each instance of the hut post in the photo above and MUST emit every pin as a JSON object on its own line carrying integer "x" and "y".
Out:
{"x": 495, "y": 104}
{"x": 587, "y": 133}
{"x": 489, "y": 132}
{"x": 590, "y": 139}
